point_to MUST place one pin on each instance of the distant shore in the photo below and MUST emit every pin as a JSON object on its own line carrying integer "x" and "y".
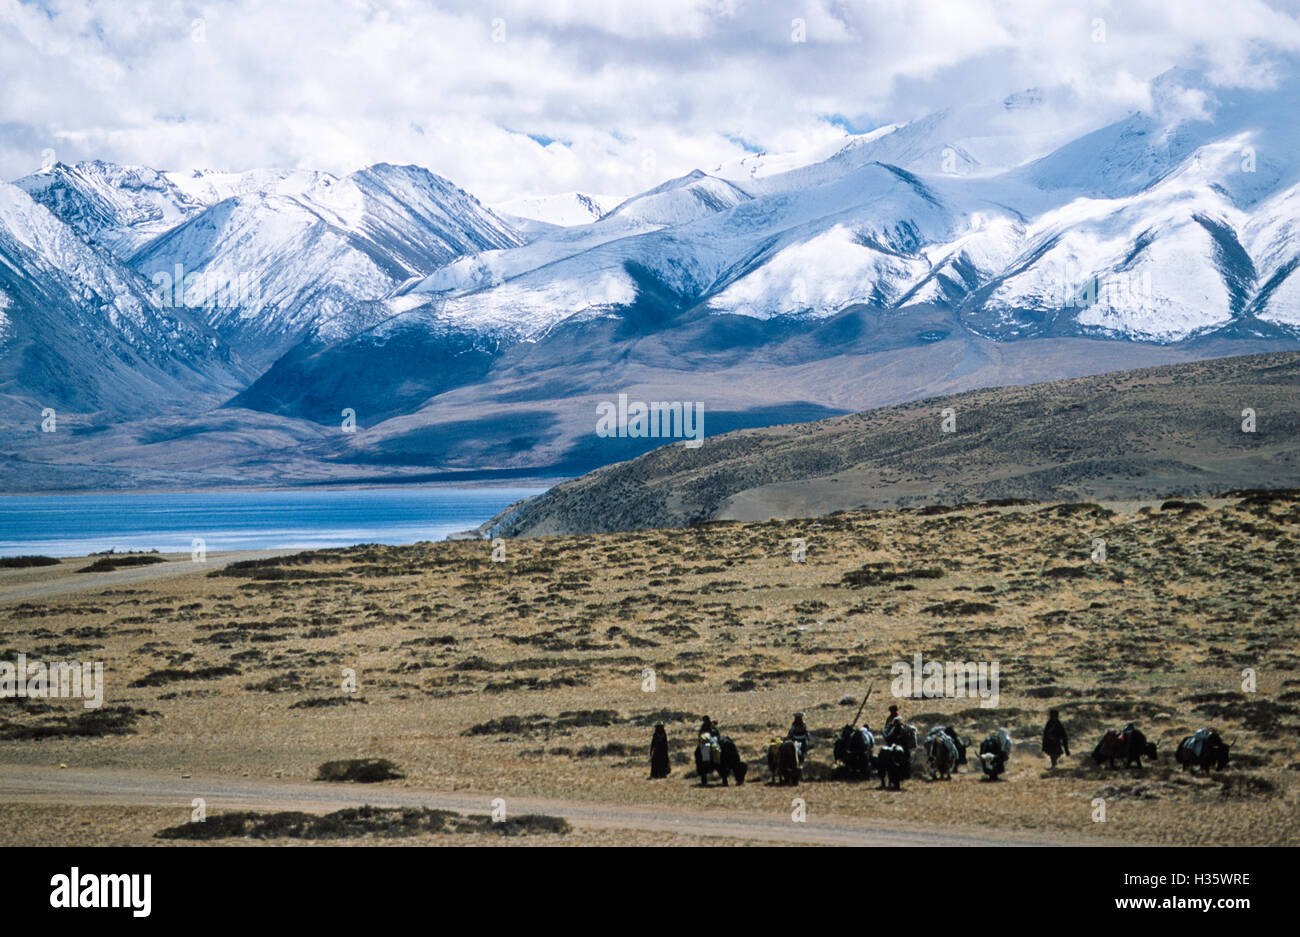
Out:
{"x": 248, "y": 519}
{"x": 542, "y": 481}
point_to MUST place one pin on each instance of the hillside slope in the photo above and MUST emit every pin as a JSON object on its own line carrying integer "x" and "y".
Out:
{"x": 1132, "y": 434}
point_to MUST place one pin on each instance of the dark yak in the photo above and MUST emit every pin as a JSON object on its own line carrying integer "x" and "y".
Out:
{"x": 893, "y": 764}
{"x": 1203, "y": 751}
{"x": 994, "y": 753}
{"x": 960, "y": 744}
{"x": 853, "y": 751}
{"x": 719, "y": 756}
{"x": 1129, "y": 744}
{"x": 940, "y": 754}
{"x": 785, "y": 761}
{"x": 905, "y": 736}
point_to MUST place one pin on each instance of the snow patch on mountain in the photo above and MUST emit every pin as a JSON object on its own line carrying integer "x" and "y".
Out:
{"x": 564, "y": 210}
{"x": 1272, "y": 237}
{"x": 1161, "y": 265}
{"x": 527, "y": 308}
{"x": 820, "y": 276}
{"x": 5, "y": 304}
{"x": 209, "y": 186}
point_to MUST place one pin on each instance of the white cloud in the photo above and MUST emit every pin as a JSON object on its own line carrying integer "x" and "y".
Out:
{"x": 579, "y": 94}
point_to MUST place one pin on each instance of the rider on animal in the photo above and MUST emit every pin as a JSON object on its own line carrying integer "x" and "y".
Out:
{"x": 799, "y": 734}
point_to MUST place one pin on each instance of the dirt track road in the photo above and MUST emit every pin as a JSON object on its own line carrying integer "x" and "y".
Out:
{"x": 43, "y": 785}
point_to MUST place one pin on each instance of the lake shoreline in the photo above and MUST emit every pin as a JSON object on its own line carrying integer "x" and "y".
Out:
{"x": 540, "y": 482}
{"x": 220, "y": 521}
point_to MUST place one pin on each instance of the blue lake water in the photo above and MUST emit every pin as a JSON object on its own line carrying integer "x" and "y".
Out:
{"x": 74, "y": 525}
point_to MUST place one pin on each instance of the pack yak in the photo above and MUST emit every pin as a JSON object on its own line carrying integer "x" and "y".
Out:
{"x": 721, "y": 757}
{"x": 905, "y": 736}
{"x": 1128, "y": 744}
{"x": 785, "y": 761}
{"x": 853, "y": 751}
{"x": 940, "y": 754}
{"x": 1203, "y": 751}
{"x": 893, "y": 764}
{"x": 994, "y": 753}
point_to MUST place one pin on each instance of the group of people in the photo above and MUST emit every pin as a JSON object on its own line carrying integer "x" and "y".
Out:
{"x": 1056, "y": 740}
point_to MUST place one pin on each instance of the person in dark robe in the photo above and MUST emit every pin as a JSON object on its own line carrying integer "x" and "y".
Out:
{"x": 1055, "y": 739}
{"x": 708, "y": 728}
{"x": 659, "y": 767}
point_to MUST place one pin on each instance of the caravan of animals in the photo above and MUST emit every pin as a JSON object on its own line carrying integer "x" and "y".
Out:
{"x": 942, "y": 753}
{"x": 545, "y": 675}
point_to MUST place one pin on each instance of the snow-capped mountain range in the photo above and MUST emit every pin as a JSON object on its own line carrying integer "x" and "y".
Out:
{"x": 271, "y": 257}
{"x": 1150, "y": 229}
{"x": 287, "y": 292}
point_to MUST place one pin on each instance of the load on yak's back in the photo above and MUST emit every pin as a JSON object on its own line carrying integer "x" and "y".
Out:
{"x": 903, "y": 734}
{"x": 941, "y": 752}
{"x": 853, "y": 751}
{"x": 1203, "y": 751}
{"x": 785, "y": 761}
{"x": 785, "y": 756}
{"x": 1128, "y": 744}
{"x": 717, "y": 754}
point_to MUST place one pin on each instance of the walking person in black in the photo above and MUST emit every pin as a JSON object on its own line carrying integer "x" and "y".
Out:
{"x": 659, "y": 753}
{"x": 1055, "y": 739}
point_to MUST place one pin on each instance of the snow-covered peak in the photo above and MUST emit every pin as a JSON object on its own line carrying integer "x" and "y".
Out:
{"x": 1189, "y": 114}
{"x": 117, "y": 207}
{"x": 81, "y": 329}
{"x": 564, "y": 210}
{"x": 393, "y": 197}
{"x": 209, "y": 186}
{"x": 306, "y": 252}
{"x": 680, "y": 201}
{"x": 754, "y": 166}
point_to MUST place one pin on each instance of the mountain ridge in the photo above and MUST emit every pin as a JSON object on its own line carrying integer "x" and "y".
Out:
{"x": 390, "y": 292}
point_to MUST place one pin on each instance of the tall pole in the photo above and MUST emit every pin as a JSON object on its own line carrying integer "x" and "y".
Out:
{"x": 864, "y": 704}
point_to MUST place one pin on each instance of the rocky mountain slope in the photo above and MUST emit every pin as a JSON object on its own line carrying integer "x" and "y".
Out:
{"x": 1137, "y": 434}
{"x": 80, "y": 332}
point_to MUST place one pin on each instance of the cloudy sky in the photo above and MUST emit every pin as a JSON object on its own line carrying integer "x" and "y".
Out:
{"x": 510, "y": 98}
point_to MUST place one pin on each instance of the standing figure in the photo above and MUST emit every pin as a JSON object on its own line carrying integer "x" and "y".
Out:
{"x": 659, "y": 753}
{"x": 1055, "y": 739}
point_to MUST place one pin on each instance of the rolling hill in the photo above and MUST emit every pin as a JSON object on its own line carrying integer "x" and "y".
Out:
{"x": 1147, "y": 433}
